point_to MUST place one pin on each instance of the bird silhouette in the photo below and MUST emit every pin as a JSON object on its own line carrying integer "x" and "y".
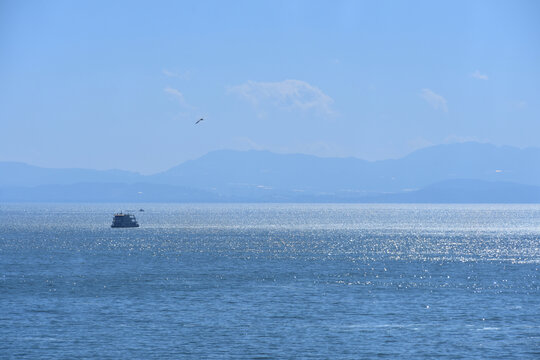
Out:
{"x": 198, "y": 121}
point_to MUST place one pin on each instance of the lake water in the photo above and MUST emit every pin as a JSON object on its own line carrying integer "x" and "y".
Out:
{"x": 270, "y": 281}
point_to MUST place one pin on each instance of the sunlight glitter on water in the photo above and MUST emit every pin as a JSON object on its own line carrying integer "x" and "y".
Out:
{"x": 239, "y": 281}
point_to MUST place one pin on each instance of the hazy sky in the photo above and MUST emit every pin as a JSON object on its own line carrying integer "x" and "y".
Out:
{"x": 120, "y": 84}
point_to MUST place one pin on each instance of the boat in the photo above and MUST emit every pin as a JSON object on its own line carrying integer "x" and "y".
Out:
{"x": 124, "y": 220}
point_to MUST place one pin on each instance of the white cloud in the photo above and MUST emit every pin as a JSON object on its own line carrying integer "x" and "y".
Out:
{"x": 177, "y": 95}
{"x": 479, "y": 76}
{"x": 289, "y": 94}
{"x": 435, "y": 100}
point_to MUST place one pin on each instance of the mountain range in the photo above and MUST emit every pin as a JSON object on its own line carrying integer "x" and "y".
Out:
{"x": 461, "y": 172}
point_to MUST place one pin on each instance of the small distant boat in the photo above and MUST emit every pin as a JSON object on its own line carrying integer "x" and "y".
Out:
{"x": 141, "y": 210}
{"x": 121, "y": 220}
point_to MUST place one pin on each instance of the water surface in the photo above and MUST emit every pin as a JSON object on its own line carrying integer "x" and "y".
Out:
{"x": 270, "y": 281}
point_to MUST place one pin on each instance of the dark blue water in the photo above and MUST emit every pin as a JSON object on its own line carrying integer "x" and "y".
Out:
{"x": 270, "y": 281}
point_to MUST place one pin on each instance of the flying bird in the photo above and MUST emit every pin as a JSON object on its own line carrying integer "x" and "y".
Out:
{"x": 198, "y": 121}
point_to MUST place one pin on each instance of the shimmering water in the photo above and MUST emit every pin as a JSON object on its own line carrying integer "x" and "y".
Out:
{"x": 270, "y": 281}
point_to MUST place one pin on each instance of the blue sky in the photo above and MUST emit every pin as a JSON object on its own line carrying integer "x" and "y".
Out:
{"x": 119, "y": 84}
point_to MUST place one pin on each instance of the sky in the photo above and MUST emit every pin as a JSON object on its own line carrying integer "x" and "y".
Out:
{"x": 120, "y": 84}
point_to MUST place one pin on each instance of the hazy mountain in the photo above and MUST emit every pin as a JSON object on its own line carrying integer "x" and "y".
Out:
{"x": 466, "y": 191}
{"x": 106, "y": 192}
{"x": 450, "y": 191}
{"x": 233, "y": 169}
{"x": 236, "y": 169}
{"x": 467, "y": 161}
{"x": 264, "y": 176}
{"x": 20, "y": 174}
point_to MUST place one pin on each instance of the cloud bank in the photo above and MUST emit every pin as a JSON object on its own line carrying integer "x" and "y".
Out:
{"x": 289, "y": 94}
{"x": 435, "y": 100}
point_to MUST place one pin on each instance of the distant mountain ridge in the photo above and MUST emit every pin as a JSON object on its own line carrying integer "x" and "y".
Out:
{"x": 305, "y": 172}
{"x": 229, "y": 175}
{"x": 466, "y": 191}
{"x": 21, "y": 174}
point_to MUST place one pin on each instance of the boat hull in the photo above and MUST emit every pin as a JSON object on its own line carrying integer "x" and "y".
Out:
{"x": 122, "y": 220}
